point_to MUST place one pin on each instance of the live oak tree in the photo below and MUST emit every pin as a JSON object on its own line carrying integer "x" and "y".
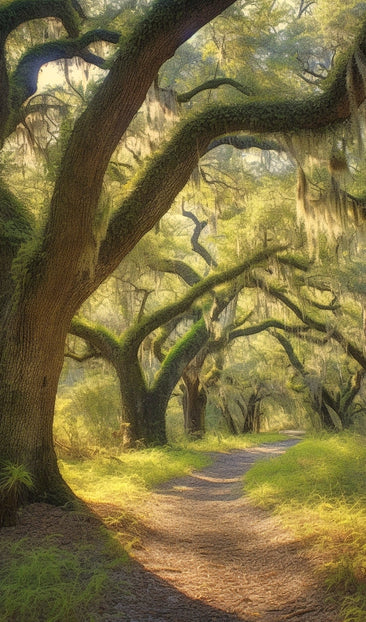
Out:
{"x": 49, "y": 268}
{"x": 144, "y": 404}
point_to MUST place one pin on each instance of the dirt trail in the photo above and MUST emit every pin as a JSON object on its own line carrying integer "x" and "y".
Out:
{"x": 208, "y": 555}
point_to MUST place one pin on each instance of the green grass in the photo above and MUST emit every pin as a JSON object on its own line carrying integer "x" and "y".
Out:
{"x": 225, "y": 442}
{"x": 49, "y": 583}
{"x": 127, "y": 477}
{"x": 319, "y": 489}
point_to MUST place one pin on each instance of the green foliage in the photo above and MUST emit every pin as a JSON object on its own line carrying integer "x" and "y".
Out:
{"x": 319, "y": 489}
{"x": 49, "y": 583}
{"x": 89, "y": 413}
{"x": 15, "y": 219}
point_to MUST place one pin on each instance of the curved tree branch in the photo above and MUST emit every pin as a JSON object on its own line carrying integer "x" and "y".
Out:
{"x": 350, "y": 348}
{"x": 246, "y": 142}
{"x": 135, "y": 334}
{"x": 23, "y": 82}
{"x": 214, "y": 84}
{"x": 175, "y": 266}
{"x": 12, "y": 15}
{"x": 152, "y": 196}
{"x": 99, "y": 338}
{"x": 265, "y": 325}
{"x": 196, "y": 246}
{"x": 15, "y": 13}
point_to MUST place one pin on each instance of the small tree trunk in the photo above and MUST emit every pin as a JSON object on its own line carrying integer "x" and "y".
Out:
{"x": 194, "y": 406}
{"x": 252, "y": 421}
{"x": 143, "y": 410}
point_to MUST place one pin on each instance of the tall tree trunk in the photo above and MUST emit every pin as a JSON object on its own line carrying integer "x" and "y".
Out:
{"x": 31, "y": 361}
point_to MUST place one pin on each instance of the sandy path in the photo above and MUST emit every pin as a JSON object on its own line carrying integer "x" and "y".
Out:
{"x": 208, "y": 555}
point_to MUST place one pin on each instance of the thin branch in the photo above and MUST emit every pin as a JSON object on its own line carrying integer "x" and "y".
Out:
{"x": 246, "y": 142}
{"x": 214, "y": 84}
{"x": 196, "y": 246}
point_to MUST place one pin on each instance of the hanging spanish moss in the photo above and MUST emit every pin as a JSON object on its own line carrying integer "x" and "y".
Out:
{"x": 323, "y": 200}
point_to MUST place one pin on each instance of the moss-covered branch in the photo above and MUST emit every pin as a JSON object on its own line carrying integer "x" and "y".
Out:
{"x": 178, "y": 358}
{"x": 13, "y": 14}
{"x": 349, "y": 347}
{"x": 97, "y": 336}
{"x": 135, "y": 334}
{"x": 23, "y": 82}
{"x": 153, "y": 191}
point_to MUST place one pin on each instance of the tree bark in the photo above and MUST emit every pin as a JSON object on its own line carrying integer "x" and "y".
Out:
{"x": 194, "y": 405}
{"x": 31, "y": 362}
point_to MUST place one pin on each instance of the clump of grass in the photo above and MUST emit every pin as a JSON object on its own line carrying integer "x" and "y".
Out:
{"x": 319, "y": 489}
{"x": 128, "y": 476}
{"x": 48, "y": 583}
{"x": 15, "y": 481}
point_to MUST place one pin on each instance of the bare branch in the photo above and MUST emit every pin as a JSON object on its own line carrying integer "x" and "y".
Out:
{"x": 196, "y": 246}
{"x": 246, "y": 142}
{"x": 175, "y": 266}
{"x": 214, "y": 84}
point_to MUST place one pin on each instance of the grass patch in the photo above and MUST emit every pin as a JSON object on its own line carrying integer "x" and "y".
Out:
{"x": 319, "y": 489}
{"x": 129, "y": 476}
{"x": 49, "y": 583}
{"x": 225, "y": 442}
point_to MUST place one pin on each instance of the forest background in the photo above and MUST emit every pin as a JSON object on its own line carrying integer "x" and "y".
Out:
{"x": 242, "y": 308}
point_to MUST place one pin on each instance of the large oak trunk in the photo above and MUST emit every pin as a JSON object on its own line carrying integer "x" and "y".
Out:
{"x": 31, "y": 362}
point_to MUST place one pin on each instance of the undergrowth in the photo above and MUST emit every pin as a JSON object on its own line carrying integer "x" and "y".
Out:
{"x": 50, "y": 583}
{"x": 319, "y": 489}
{"x": 127, "y": 477}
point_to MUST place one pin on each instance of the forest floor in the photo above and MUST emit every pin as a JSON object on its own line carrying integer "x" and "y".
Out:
{"x": 203, "y": 553}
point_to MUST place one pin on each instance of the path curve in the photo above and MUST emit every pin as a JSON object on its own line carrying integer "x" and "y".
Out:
{"x": 208, "y": 555}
